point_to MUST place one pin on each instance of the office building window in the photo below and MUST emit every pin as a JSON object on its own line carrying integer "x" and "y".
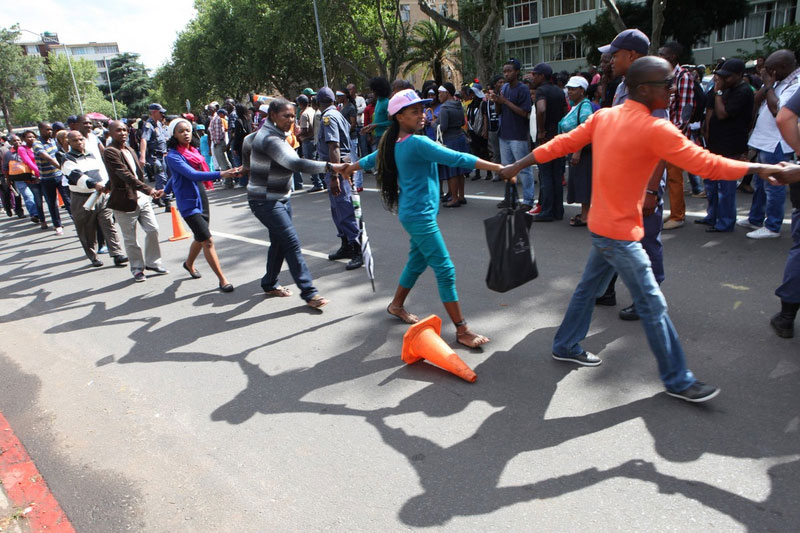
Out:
{"x": 521, "y": 13}
{"x": 526, "y": 52}
{"x": 555, "y": 8}
{"x": 562, "y": 47}
{"x": 762, "y": 18}
{"x": 106, "y": 49}
{"x": 405, "y": 12}
{"x": 80, "y": 50}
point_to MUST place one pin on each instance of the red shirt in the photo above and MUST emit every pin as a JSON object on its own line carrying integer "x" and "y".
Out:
{"x": 627, "y": 144}
{"x": 368, "y": 111}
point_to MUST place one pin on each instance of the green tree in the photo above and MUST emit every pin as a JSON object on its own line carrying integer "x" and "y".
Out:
{"x": 130, "y": 82}
{"x": 686, "y": 21}
{"x": 33, "y": 108}
{"x": 17, "y": 77}
{"x": 478, "y": 25}
{"x": 433, "y": 47}
{"x": 62, "y": 90}
{"x": 785, "y": 37}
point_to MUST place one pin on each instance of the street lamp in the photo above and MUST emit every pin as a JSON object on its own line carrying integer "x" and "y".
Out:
{"x": 46, "y": 39}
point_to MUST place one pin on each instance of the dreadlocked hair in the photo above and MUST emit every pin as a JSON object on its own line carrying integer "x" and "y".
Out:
{"x": 387, "y": 166}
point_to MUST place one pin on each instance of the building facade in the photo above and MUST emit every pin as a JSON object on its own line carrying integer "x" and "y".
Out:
{"x": 98, "y": 53}
{"x": 548, "y": 31}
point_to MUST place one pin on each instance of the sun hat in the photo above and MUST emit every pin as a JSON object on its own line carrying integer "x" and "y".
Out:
{"x": 578, "y": 81}
{"x": 404, "y": 99}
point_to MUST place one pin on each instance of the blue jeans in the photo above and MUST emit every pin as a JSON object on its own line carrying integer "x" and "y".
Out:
{"x": 284, "y": 245}
{"x": 721, "y": 210}
{"x": 511, "y": 152}
{"x": 237, "y": 162}
{"x": 358, "y": 175}
{"x": 551, "y": 175}
{"x": 630, "y": 261}
{"x": 27, "y": 197}
{"x": 768, "y": 199}
{"x": 45, "y": 192}
{"x": 789, "y": 291}
{"x": 308, "y": 150}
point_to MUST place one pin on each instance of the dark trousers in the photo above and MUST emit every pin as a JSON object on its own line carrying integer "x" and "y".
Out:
{"x": 552, "y": 191}
{"x": 276, "y": 216}
{"x": 789, "y": 291}
{"x": 344, "y": 218}
{"x": 11, "y": 201}
{"x": 45, "y": 192}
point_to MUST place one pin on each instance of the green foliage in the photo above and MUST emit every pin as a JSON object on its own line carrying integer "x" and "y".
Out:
{"x": 785, "y": 37}
{"x": 17, "y": 78}
{"x": 34, "y": 107}
{"x": 130, "y": 83}
{"x": 686, "y": 21}
{"x": 433, "y": 47}
{"x": 62, "y": 91}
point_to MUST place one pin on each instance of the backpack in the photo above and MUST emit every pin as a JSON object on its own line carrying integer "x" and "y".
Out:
{"x": 476, "y": 120}
{"x": 700, "y": 100}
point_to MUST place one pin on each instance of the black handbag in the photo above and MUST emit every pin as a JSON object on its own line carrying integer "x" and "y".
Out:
{"x": 511, "y": 259}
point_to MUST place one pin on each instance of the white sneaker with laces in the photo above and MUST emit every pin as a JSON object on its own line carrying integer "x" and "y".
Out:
{"x": 745, "y": 223}
{"x": 764, "y": 233}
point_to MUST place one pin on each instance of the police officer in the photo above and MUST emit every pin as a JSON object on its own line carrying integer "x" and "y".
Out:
{"x": 153, "y": 148}
{"x": 333, "y": 145}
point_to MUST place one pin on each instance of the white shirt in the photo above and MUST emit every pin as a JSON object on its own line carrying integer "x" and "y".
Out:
{"x": 361, "y": 105}
{"x": 766, "y": 136}
{"x": 93, "y": 146}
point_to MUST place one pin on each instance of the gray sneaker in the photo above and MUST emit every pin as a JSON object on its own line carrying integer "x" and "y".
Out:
{"x": 584, "y": 359}
{"x": 698, "y": 392}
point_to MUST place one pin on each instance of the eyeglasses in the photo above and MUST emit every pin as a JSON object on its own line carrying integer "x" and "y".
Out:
{"x": 666, "y": 82}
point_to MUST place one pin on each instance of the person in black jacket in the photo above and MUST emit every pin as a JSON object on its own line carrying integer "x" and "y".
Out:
{"x": 242, "y": 127}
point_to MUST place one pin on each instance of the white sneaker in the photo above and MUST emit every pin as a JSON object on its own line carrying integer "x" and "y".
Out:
{"x": 764, "y": 233}
{"x": 745, "y": 223}
{"x": 673, "y": 224}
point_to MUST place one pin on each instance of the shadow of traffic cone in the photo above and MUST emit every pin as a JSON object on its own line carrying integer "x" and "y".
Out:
{"x": 178, "y": 231}
{"x": 422, "y": 341}
{"x": 60, "y": 200}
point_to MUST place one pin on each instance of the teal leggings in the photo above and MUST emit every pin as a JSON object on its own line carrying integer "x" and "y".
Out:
{"x": 428, "y": 249}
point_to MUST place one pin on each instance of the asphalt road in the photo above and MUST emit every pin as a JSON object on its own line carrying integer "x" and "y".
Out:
{"x": 168, "y": 406}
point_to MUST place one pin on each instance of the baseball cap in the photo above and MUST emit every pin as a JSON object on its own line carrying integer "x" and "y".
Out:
{"x": 72, "y": 119}
{"x": 199, "y": 127}
{"x": 264, "y": 108}
{"x": 58, "y": 126}
{"x": 544, "y": 69}
{"x": 405, "y": 98}
{"x": 731, "y": 66}
{"x": 156, "y": 107}
{"x": 325, "y": 94}
{"x": 302, "y": 99}
{"x": 308, "y": 91}
{"x": 222, "y": 111}
{"x": 578, "y": 81}
{"x": 632, "y": 39}
{"x": 478, "y": 90}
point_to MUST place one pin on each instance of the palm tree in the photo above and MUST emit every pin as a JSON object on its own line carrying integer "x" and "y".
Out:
{"x": 432, "y": 48}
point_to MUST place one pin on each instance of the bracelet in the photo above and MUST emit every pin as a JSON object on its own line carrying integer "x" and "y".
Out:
{"x": 650, "y": 191}
{"x": 462, "y": 323}
{"x": 328, "y": 166}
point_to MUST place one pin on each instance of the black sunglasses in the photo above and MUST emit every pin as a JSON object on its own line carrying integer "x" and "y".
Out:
{"x": 666, "y": 82}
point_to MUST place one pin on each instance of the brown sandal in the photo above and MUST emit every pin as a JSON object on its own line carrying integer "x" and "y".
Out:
{"x": 403, "y": 315}
{"x": 280, "y": 292}
{"x": 476, "y": 339}
{"x": 316, "y": 302}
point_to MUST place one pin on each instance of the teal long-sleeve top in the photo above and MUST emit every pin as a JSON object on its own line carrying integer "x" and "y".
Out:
{"x": 381, "y": 117}
{"x": 418, "y": 177}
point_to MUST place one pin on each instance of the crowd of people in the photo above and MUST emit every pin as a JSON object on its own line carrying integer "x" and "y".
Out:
{"x": 618, "y": 138}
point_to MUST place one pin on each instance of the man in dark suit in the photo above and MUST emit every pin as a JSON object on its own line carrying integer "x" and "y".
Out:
{"x": 130, "y": 200}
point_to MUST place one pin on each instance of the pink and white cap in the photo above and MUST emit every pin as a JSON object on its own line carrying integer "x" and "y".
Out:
{"x": 405, "y": 98}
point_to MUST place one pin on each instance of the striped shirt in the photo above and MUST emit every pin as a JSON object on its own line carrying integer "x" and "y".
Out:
{"x": 46, "y": 168}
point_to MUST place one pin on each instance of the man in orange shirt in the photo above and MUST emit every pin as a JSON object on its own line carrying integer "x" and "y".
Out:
{"x": 629, "y": 143}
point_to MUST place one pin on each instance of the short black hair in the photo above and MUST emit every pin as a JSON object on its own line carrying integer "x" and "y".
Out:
{"x": 380, "y": 86}
{"x": 675, "y": 47}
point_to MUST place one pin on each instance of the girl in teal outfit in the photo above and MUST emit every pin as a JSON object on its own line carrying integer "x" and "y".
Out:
{"x": 409, "y": 180}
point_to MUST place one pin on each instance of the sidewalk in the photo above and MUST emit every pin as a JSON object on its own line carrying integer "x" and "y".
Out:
{"x": 26, "y": 504}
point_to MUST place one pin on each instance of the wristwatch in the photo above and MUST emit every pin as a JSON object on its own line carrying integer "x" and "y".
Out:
{"x": 719, "y": 92}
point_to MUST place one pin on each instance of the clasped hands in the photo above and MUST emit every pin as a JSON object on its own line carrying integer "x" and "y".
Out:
{"x": 232, "y": 173}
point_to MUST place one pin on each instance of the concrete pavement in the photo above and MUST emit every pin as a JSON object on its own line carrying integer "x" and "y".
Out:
{"x": 168, "y": 406}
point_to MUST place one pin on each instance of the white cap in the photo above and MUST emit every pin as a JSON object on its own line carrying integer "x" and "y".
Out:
{"x": 442, "y": 89}
{"x": 578, "y": 81}
{"x": 264, "y": 108}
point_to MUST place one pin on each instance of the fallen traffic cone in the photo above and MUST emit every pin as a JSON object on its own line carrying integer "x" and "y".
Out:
{"x": 60, "y": 200}
{"x": 422, "y": 341}
{"x": 178, "y": 231}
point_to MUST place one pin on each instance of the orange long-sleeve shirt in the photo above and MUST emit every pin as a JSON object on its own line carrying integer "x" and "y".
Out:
{"x": 627, "y": 144}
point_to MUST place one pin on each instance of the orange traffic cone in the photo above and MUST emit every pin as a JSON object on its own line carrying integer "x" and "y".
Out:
{"x": 422, "y": 341}
{"x": 178, "y": 231}
{"x": 60, "y": 200}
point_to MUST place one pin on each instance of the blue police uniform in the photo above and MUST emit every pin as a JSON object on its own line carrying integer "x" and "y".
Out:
{"x": 335, "y": 128}
{"x": 155, "y": 135}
